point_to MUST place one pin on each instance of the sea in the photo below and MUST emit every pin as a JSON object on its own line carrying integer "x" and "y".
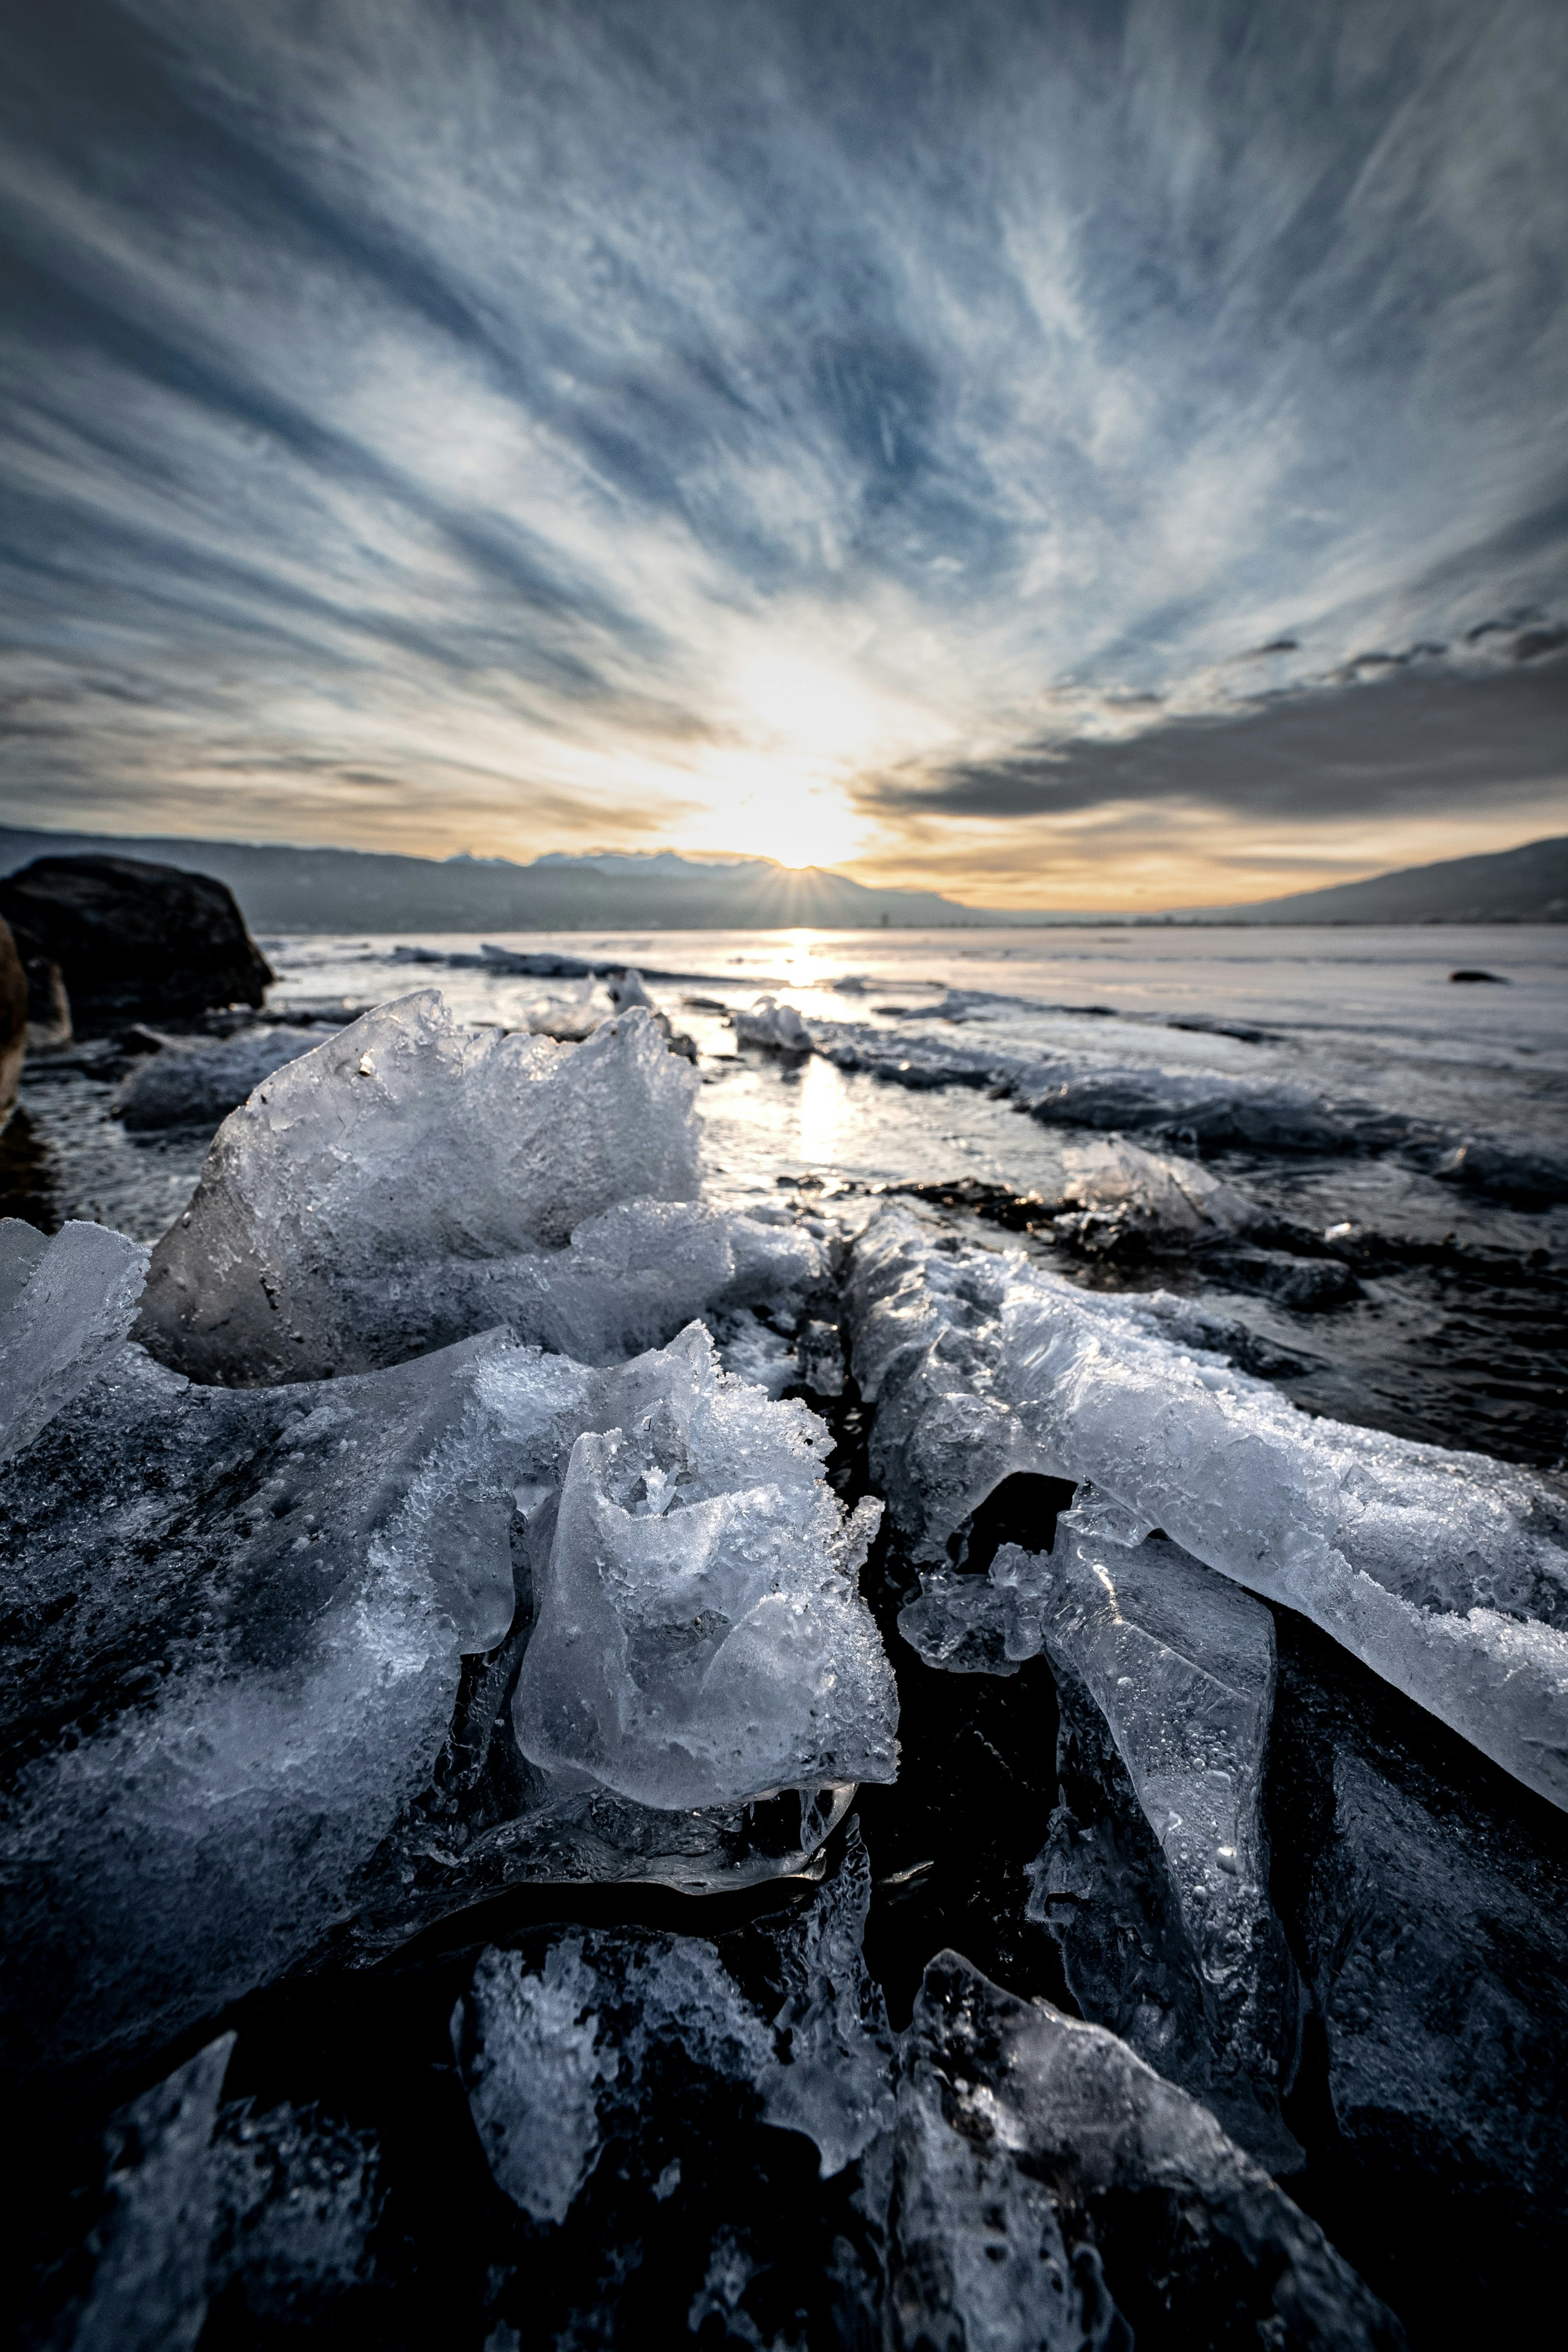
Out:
{"x": 1455, "y": 1328}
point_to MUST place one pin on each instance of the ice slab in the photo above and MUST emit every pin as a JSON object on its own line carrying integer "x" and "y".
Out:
{"x": 835, "y": 2078}
{"x": 700, "y": 1638}
{"x": 1155, "y": 1876}
{"x": 66, "y": 1307}
{"x": 413, "y": 1180}
{"x": 1037, "y": 2158}
{"x": 191, "y": 1080}
{"x": 1446, "y": 1573}
{"x": 234, "y": 1644}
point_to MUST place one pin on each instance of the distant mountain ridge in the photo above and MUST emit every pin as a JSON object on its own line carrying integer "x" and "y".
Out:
{"x": 282, "y": 889}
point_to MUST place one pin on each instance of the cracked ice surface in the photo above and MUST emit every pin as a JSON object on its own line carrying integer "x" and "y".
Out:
{"x": 66, "y": 1307}
{"x": 700, "y": 1637}
{"x": 413, "y": 1180}
{"x": 1446, "y": 1573}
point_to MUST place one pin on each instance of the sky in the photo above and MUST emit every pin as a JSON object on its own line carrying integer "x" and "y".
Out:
{"x": 1063, "y": 454}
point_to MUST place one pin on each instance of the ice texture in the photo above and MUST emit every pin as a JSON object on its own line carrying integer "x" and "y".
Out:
{"x": 191, "y": 1079}
{"x": 66, "y": 1307}
{"x": 700, "y": 1639}
{"x": 299, "y": 2194}
{"x": 148, "y": 2289}
{"x": 1446, "y": 1573}
{"x": 232, "y": 1646}
{"x": 1036, "y": 2161}
{"x": 413, "y": 1180}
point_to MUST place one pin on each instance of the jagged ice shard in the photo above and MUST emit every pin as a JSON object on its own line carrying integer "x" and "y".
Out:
{"x": 66, "y": 1306}
{"x": 1171, "y": 1667}
{"x": 700, "y": 1636}
{"x": 1446, "y": 1573}
{"x": 413, "y": 1181}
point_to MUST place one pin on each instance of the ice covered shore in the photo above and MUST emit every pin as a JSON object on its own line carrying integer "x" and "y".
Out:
{"x": 413, "y": 1543}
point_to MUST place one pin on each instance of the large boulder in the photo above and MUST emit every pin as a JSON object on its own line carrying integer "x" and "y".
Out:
{"x": 132, "y": 939}
{"x": 13, "y": 1020}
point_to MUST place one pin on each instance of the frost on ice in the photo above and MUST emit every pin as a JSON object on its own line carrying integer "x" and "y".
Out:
{"x": 700, "y": 1638}
{"x": 413, "y": 1180}
{"x": 66, "y": 1307}
{"x": 1446, "y": 1573}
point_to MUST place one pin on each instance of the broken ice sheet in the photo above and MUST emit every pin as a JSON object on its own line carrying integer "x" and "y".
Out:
{"x": 1036, "y": 2161}
{"x": 1446, "y": 1573}
{"x": 700, "y": 1637}
{"x": 66, "y": 1306}
{"x": 232, "y": 1650}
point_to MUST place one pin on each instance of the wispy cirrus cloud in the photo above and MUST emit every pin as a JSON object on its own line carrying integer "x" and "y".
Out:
{"x": 748, "y": 423}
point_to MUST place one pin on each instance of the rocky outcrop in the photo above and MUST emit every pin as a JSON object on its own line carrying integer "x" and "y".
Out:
{"x": 131, "y": 939}
{"x": 13, "y": 1020}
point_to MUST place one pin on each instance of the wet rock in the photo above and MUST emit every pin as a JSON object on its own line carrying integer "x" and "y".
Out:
{"x": 132, "y": 938}
{"x": 14, "y": 1003}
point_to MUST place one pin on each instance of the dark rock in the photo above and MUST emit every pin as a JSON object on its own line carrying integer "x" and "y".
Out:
{"x": 132, "y": 938}
{"x": 1426, "y": 1897}
{"x": 49, "y": 1027}
{"x": 13, "y": 1020}
{"x": 1495, "y": 978}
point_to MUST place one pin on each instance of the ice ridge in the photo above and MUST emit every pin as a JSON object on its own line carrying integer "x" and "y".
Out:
{"x": 1446, "y": 1573}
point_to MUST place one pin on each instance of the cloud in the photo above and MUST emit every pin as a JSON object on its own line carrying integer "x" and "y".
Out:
{"x": 592, "y": 418}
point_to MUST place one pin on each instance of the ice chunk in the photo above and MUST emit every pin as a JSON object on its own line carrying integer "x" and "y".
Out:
{"x": 700, "y": 1635}
{"x": 1446, "y": 1573}
{"x": 412, "y": 1180}
{"x": 148, "y": 2290}
{"x": 772, "y": 1024}
{"x": 1036, "y": 2162}
{"x": 1177, "y": 1665}
{"x": 1177, "y": 1201}
{"x": 192, "y": 1079}
{"x": 835, "y": 2083}
{"x": 231, "y": 1656}
{"x": 557, "y": 2060}
{"x": 66, "y": 1306}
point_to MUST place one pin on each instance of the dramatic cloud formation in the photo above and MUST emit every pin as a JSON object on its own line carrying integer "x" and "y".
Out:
{"x": 1063, "y": 452}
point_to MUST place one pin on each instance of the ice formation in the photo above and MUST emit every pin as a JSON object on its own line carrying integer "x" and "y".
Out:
{"x": 412, "y": 1181}
{"x": 834, "y": 2079}
{"x": 236, "y": 1620}
{"x": 148, "y": 2289}
{"x": 771, "y": 1023}
{"x": 191, "y": 1079}
{"x": 233, "y": 1651}
{"x": 1446, "y": 1573}
{"x": 1037, "y": 2158}
{"x": 1117, "y": 1182}
{"x": 700, "y": 1638}
{"x": 66, "y": 1306}
{"x": 1171, "y": 1667}
{"x": 556, "y": 2062}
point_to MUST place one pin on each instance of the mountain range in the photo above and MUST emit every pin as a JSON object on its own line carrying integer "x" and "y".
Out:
{"x": 286, "y": 889}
